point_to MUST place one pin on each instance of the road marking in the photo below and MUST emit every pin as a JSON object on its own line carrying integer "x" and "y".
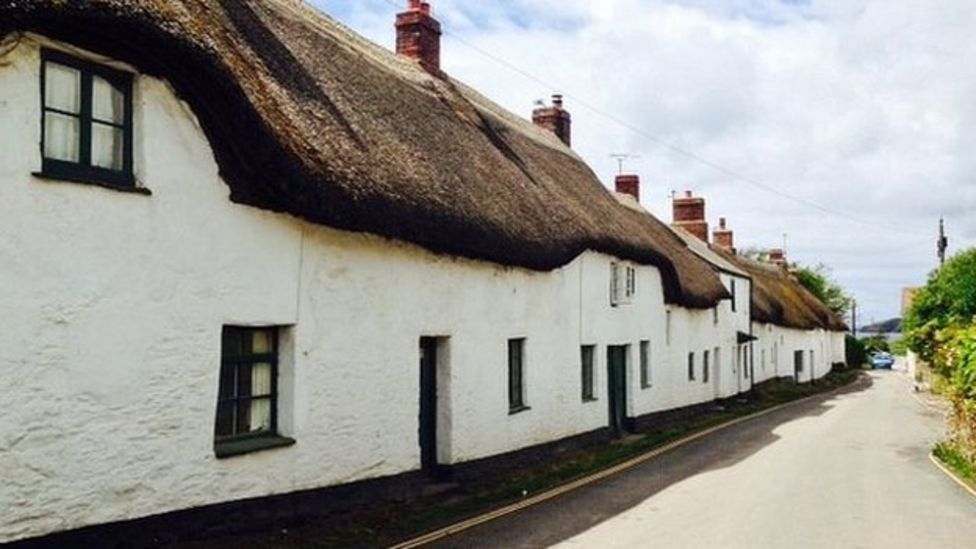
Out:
{"x": 952, "y": 474}
{"x": 459, "y": 527}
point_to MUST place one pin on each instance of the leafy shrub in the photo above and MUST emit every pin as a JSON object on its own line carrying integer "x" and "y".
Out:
{"x": 857, "y": 355}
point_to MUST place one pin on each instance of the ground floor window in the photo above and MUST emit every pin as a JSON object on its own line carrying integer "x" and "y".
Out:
{"x": 705, "y": 358}
{"x": 587, "y": 352}
{"x": 247, "y": 399}
{"x": 645, "y": 364}
{"x": 691, "y": 366}
{"x": 516, "y": 375}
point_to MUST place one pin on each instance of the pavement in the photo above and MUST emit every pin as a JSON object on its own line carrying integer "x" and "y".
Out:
{"x": 846, "y": 470}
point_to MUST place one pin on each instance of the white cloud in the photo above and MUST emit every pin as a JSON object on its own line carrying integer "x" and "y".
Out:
{"x": 864, "y": 106}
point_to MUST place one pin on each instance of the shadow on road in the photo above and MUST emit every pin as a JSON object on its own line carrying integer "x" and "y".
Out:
{"x": 571, "y": 514}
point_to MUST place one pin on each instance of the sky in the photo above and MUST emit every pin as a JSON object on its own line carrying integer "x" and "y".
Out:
{"x": 843, "y": 127}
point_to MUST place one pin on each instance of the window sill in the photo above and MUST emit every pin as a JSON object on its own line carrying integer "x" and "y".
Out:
{"x": 518, "y": 410}
{"x": 61, "y": 178}
{"x": 230, "y": 448}
{"x": 591, "y": 399}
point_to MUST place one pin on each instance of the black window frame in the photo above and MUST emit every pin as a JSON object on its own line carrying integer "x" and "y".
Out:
{"x": 241, "y": 443}
{"x": 691, "y": 366}
{"x": 84, "y": 171}
{"x": 733, "y": 292}
{"x": 588, "y": 373}
{"x": 516, "y": 375}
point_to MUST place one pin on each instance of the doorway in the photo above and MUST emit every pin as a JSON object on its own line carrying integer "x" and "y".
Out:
{"x": 617, "y": 388}
{"x": 428, "y": 406}
{"x": 797, "y": 365}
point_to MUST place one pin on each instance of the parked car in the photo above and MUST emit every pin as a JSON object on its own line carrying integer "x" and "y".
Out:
{"x": 882, "y": 360}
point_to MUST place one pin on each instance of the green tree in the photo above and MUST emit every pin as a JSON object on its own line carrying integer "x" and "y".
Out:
{"x": 819, "y": 280}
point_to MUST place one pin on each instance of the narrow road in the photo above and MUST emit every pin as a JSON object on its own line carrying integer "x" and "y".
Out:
{"x": 849, "y": 470}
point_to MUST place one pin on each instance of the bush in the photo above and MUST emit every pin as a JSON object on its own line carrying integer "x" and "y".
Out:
{"x": 857, "y": 355}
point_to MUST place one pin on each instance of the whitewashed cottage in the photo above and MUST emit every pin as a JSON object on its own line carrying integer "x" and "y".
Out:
{"x": 253, "y": 264}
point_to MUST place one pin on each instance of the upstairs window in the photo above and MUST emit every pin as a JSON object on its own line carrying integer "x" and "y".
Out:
{"x": 691, "y": 366}
{"x": 733, "y": 292}
{"x": 86, "y": 131}
{"x": 623, "y": 283}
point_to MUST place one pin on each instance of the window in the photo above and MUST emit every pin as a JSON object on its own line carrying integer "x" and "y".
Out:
{"x": 667, "y": 327}
{"x": 587, "y": 352}
{"x": 516, "y": 375}
{"x": 715, "y": 315}
{"x": 733, "y": 295}
{"x": 623, "y": 283}
{"x": 86, "y": 132}
{"x": 247, "y": 401}
{"x": 645, "y": 364}
{"x": 691, "y": 366}
{"x": 763, "y": 359}
{"x": 705, "y": 367}
{"x": 717, "y": 357}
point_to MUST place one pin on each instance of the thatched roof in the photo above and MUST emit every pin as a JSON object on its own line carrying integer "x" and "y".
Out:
{"x": 308, "y": 118}
{"x": 778, "y": 298}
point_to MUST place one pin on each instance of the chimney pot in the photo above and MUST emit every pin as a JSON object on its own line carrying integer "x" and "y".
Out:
{"x": 419, "y": 36}
{"x": 777, "y": 256}
{"x": 722, "y": 237}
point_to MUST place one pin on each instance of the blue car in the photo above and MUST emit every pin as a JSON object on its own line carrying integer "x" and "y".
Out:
{"x": 882, "y": 361}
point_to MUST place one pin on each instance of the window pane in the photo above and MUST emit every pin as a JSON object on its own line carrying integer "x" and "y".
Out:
{"x": 61, "y": 137}
{"x": 261, "y": 379}
{"x": 107, "y": 102}
{"x": 244, "y": 380}
{"x": 261, "y": 341}
{"x": 260, "y": 415}
{"x": 107, "y": 142}
{"x": 231, "y": 342}
{"x": 227, "y": 381}
{"x": 62, "y": 88}
{"x": 225, "y": 419}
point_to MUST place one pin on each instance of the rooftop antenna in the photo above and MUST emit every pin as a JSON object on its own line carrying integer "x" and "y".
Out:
{"x": 621, "y": 158}
{"x": 943, "y": 242}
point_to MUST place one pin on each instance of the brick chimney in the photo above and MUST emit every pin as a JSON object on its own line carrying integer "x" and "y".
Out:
{"x": 777, "y": 257}
{"x": 688, "y": 213}
{"x": 722, "y": 237}
{"x": 628, "y": 184}
{"x": 419, "y": 36}
{"x": 555, "y": 119}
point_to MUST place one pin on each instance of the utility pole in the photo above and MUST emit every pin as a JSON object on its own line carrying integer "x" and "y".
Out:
{"x": 943, "y": 243}
{"x": 854, "y": 318}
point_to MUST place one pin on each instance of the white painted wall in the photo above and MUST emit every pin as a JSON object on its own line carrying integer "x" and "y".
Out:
{"x": 779, "y": 344}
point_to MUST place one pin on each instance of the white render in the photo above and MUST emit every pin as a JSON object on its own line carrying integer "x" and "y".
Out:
{"x": 114, "y": 304}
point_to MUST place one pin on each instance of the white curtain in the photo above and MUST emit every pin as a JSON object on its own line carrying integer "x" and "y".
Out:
{"x": 261, "y": 408}
{"x": 261, "y": 343}
{"x": 107, "y": 102}
{"x": 107, "y": 146}
{"x": 61, "y": 137}
{"x": 62, "y": 91}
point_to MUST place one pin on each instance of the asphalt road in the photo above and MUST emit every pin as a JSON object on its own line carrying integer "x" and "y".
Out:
{"x": 849, "y": 470}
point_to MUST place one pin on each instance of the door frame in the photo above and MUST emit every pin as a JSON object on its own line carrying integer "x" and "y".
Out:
{"x": 430, "y": 414}
{"x": 617, "y": 393}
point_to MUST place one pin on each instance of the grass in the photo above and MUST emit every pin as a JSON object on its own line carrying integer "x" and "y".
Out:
{"x": 386, "y": 524}
{"x": 949, "y": 455}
